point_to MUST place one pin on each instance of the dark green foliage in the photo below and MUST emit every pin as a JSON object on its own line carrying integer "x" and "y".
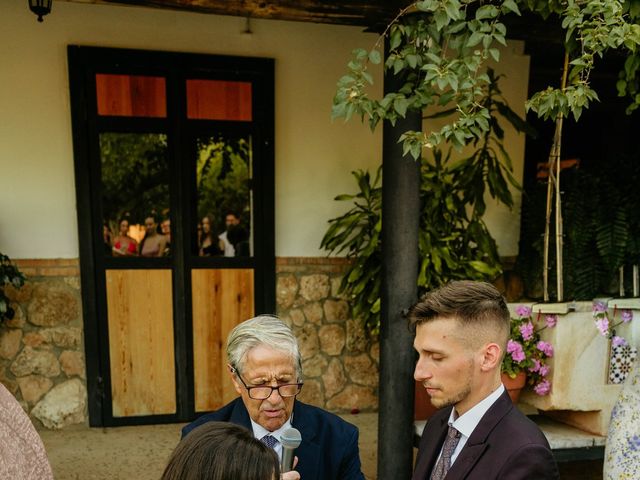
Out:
{"x": 9, "y": 275}
{"x": 357, "y": 234}
{"x": 223, "y": 178}
{"x": 601, "y": 213}
{"x": 453, "y": 242}
{"x": 135, "y": 175}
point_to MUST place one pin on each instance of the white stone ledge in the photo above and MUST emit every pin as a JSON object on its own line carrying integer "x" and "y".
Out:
{"x": 629, "y": 303}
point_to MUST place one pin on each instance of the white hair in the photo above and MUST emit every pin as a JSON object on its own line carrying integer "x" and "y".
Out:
{"x": 267, "y": 330}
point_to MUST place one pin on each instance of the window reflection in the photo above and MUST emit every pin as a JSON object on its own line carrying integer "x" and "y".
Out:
{"x": 224, "y": 196}
{"x": 135, "y": 194}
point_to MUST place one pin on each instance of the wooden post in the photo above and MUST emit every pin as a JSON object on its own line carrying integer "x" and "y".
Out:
{"x": 400, "y": 220}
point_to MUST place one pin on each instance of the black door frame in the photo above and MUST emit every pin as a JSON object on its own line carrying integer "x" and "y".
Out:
{"x": 84, "y": 63}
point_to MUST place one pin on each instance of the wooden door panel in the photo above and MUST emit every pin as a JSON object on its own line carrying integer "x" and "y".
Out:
{"x": 222, "y": 298}
{"x": 141, "y": 342}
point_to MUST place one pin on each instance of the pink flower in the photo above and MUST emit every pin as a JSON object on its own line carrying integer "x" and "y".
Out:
{"x": 551, "y": 320}
{"x": 516, "y": 351}
{"x": 602, "y": 324}
{"x": 523, "y": 311}
{"x": 545, "y": 347}
{"x": 617, "y": 341}
{"x": 544, "y": 370}
{"x": 599, "y": 307}
{"x": 536, "y": 366}
{"x": 526, "y": 331}
{"x": 543, "y": 387}
{"x": 626, "y": 316}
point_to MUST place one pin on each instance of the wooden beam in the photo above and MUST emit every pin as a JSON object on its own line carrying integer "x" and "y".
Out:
{"x": 365, "y": 13}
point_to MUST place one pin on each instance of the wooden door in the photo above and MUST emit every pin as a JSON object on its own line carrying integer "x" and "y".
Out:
{"x": 174, "y": 175}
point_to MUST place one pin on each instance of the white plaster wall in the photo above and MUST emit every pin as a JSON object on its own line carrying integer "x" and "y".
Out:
{"x": 313, "y": 155}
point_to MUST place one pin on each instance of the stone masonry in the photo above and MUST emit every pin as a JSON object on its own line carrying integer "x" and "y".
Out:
{"x": 42, "y": 354}
{"x": 41, "y": 350}
{"x": 339, "y": 360}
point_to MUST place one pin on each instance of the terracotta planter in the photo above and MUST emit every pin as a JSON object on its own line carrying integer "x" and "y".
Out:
{"x": 422, "y": 408}
{"x": 514, "y": 385}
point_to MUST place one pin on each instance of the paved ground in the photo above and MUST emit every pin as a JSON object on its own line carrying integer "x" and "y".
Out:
{"x": 140, "y": 453}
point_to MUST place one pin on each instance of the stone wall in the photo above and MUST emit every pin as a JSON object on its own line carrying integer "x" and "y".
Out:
{"x": 42, "y": 354}
{"x": 41, "y": 350}
{"x": 339, "y": 361}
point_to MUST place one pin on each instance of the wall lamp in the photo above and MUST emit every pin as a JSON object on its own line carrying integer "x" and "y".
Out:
{"x": 40, "y": 7}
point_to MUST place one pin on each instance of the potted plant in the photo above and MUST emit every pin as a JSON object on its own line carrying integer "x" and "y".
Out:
{"x": 525, "y": 361}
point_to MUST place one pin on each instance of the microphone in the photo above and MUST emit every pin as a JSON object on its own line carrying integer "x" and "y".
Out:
{"x": 290, "y": 440}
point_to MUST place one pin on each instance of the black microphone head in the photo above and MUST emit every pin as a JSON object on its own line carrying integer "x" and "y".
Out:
{"x": 291, "y": 438}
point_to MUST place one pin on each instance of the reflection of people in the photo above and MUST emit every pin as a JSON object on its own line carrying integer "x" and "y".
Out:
{"x": 22, "y": 455}
{"x": 222, "y": 451}
{"x": 265, "y": 367}
{"x": 461, "y": 333}
{"x": 208, "y": 246}
{"x": 106, "y": 238}
{"x": 230, "y": 220}
{"x": 238, "y": 237}
{"x": 152, "y": 245}
{"x": 165, "y": 228}
{"x": 123, "y": 244}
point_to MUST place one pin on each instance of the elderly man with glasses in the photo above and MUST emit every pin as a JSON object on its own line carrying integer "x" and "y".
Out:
{"x": 266, "y": 370}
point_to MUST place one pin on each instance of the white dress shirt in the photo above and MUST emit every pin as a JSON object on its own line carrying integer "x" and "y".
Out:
{"x": 259, "y": 431}
{"x": 468, "y": 422}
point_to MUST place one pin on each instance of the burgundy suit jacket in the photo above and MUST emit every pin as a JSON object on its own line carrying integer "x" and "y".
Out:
{"x": 505, "y": 445}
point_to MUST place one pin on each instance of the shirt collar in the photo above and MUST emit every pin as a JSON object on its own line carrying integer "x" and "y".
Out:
{"x": 259, "y": 431}
{"x": 467, "y": 422}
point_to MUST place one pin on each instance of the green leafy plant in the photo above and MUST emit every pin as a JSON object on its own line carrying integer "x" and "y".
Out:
{"x": 454, "y": 242}
{"x": 440, "y": 48}
{"x": 357, "y": 234}
{"x": 9, "y": 275}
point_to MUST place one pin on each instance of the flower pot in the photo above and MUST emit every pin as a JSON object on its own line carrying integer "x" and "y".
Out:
{"x": 514, "y": 385}
{"x": 422, "y": 408}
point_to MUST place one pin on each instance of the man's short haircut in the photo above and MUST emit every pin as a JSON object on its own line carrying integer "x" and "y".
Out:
{"x": 478, "y": 305}
{"x": 267, "y": 330}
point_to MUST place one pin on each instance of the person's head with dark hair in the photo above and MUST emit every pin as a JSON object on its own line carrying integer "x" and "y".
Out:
{"x": 461, "y": 333}
{"x": 231, "y": 219}
{"x": 222, "y": 451}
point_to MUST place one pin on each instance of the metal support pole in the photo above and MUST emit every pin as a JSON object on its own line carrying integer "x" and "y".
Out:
{"x": 400, "y": 218}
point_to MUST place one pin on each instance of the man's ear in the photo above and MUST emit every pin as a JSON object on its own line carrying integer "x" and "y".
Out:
{"x": 491, "y": 357}
{"x": 232, "y": 373}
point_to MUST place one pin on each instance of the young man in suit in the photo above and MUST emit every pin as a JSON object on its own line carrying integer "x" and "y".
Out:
{"x": 461, "y": 333}
{"x": 266, "y": 369}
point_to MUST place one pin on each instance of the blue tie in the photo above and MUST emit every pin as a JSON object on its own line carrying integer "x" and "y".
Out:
{"x": 269, "y": 441}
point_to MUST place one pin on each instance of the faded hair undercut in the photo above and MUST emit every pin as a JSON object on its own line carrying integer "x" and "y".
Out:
{"x": 477, "y": 305}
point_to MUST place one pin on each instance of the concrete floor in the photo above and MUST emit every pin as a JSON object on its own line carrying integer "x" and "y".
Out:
{"x": 141, "y": 453}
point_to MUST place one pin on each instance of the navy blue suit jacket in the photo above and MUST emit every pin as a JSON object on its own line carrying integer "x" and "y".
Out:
{"x": 505, "y": 445}
{"x": 329, "y": 448}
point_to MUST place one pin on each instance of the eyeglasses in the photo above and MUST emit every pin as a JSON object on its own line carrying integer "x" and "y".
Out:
{"x": 263, "y": 392}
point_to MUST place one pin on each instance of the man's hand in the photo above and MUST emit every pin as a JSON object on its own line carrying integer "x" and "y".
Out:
{"x": 292, "y": 474}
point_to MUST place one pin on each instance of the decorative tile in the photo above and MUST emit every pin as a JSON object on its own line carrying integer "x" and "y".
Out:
{"x": 621, "y": 363}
